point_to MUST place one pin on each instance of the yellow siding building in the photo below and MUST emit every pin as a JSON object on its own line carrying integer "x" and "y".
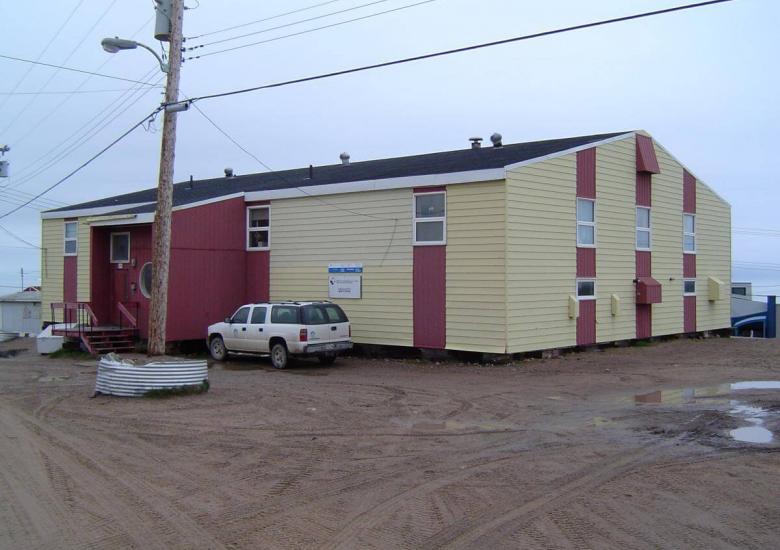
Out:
{"x": 503, "y": 249}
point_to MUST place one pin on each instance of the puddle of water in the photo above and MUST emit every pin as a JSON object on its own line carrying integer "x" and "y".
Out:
{"x": 757, "y": 385}
{"x": 752, "y": 434}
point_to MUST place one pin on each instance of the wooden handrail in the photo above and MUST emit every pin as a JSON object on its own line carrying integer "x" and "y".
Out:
{"x": 127, "y": 315}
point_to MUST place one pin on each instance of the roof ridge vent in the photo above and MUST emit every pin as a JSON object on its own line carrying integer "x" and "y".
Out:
{"x": 476, "y": 142}
{"x": 496, "y": 139}
{"x": 344, "y": 158}
{"x": 228, "y": 172}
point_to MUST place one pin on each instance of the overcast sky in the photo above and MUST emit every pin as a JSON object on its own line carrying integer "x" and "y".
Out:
{"x": 703, "y": 82}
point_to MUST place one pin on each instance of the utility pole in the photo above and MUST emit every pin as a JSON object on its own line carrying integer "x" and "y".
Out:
{"x": 22, "y": 271}
{"x": 161, "y": 250}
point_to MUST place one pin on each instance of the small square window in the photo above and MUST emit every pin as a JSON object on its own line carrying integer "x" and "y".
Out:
{"x": 586, "y": 235}
{"x": 120, "y": 248}
{"x": 586, "y": 289}
{"x": 430, "y": 216}
{"x": 689, "y": 287}
{"x": 258, "y": 219}
{"x": 586, "y": 210}
{"x": 71, "y": 240}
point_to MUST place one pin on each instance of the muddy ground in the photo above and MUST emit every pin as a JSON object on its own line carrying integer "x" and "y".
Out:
{"x": 399, "y": 454}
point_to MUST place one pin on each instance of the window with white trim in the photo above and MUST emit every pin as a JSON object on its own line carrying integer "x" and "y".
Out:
{"x": 429, "y": 225}
{"x": 120, "y": 248}
{"x": 643, "y": 230}
{"x": 689, "y": 287}
{"x": 689, "y": 233}
{"x": 258, "y": 222}
{"x": 71, "y": 240}
{"x": 586, "y": 222}
{"x": 586, "y": 289}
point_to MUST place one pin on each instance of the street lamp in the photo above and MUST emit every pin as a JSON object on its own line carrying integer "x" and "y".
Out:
{"x": 170, "y": 14}
{"x": 113, "y": 45}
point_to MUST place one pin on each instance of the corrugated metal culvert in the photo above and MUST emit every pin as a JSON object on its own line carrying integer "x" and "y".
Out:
{"x": 123, "y": 378}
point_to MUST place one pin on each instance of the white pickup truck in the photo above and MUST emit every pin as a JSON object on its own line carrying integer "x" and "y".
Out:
{"x": 281, "y": 330}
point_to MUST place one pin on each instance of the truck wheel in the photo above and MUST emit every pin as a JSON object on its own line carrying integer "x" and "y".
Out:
{"x": 327, "y": 358}
{"x": 279, "y": 356}
{"x": 217, "y": 348}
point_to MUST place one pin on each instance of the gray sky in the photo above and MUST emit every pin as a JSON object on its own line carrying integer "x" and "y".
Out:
{"x": 703, "y": 82}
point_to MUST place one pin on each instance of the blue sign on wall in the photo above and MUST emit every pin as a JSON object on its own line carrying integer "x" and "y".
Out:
{"x": 345, "y": 268}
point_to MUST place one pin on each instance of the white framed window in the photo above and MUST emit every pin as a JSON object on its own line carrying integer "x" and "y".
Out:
{"x": 429, "y": 224}
{"x": 120, "y": 248}
{"x": 258, "y": 226}
{"x": 689, "y": 233}
{"x": 71, "y": 241}
{"x": 586, "y": 222}
{"x": 586, "y": 289}
{"x": 145, "y": 280}
{"x": 689, "y": 287}
{"x": 643, "y": 229}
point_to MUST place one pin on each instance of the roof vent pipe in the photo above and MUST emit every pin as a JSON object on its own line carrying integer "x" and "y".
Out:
{"x": 496, "y": 139}
{"x": 228, "y": 172}
{"x": 344, "y": 158}
{"x": 189, "y": 186}
{"x": 476, "y": 142}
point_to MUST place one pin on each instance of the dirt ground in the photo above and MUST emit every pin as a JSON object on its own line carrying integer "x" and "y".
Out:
{"x": 366, "y": 453}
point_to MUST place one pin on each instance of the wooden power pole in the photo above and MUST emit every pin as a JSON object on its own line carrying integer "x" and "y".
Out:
{"x": 161, "y": 250}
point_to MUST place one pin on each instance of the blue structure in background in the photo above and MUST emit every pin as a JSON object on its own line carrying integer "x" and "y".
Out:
{"x": 766, "y": 320}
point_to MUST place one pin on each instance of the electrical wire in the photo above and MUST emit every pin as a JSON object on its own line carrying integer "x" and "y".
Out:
{"x": 69, "y": 92}
{"x": 286, "y": 25}
{"x": 369, "y": 16}
{"x": 17, "y": 237}
{"x": 234, "y": 27}
{"x": 461, "y": 50}
{"x": 44, "y": 50}
{"x": 87, "y": 162}
{"x": 32, "y": 99}
{"x": 69, "y": 145}
{"x": 82, "y": 71}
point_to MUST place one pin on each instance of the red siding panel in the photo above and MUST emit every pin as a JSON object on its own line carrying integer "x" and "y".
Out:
{"x": 429, "y": 295}
{"x": 69, "y": 282}
{"x": 586, "y": 173}
{"x": 689, "y": 193}
{"x": 643, "y": 189}
{"x": 644, "y": 320}
{"x": 689, "y": 313}
{"x": 586, "y": 262}
{"x": 643, "y": 263}
{"x": 208, "y": 267}
{"x": 646, "y": 161}
{"x": 258, "y": 276}
{"x": 586, "y": 323}
{"x": 689, "y": 265}
{"x": 99, "y": 275}
{"x": 434, "y": 189}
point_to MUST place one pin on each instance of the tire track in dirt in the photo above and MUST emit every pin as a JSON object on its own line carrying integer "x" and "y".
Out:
{"x": 148, "y": 520}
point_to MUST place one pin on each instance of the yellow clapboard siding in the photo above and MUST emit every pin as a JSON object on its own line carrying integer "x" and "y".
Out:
{"x": 713, "y": 257}
{"x": 541, "y": 254}
{"x": 667, "y": 262}
{"x": 52, "y": 266}
{"x": 373, "y": 228}
{"x": 615, "y": 252}
{"x": 476, "y": 286}
{"x": 83, "y": 262}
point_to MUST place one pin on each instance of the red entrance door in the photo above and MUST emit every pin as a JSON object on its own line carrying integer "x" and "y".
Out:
{"x": 119, "y": 293}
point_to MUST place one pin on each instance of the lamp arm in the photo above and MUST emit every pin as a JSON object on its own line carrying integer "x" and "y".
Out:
{"x": 163, "y": 65}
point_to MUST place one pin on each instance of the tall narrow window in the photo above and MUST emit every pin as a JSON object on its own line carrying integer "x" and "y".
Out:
{"x": 430, "y": 216}
{"x": 586, "y": 222}
{"x": 258, "y": 219}
{"x": 120, "y": 248}
{"x": 689, "y": 233}
{"x": 643, "y": 237}
{"x": 71, "y": 238}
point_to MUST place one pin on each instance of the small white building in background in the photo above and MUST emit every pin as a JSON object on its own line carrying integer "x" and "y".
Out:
{"x": 20, "y": 312}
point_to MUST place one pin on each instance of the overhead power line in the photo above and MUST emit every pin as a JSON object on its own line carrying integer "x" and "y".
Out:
{"x": 461, "y": 50}
{"x": 69, "y": 92}
{"x": 369, "y": 16}
{"x": 18, "y": 238}
{"x": 44, "y": 50}
{"x": 82, "y": 71}
{"x": 286, "y": 25}
{"x": 243, "y": 25}
{"x": 86, "y": 163}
